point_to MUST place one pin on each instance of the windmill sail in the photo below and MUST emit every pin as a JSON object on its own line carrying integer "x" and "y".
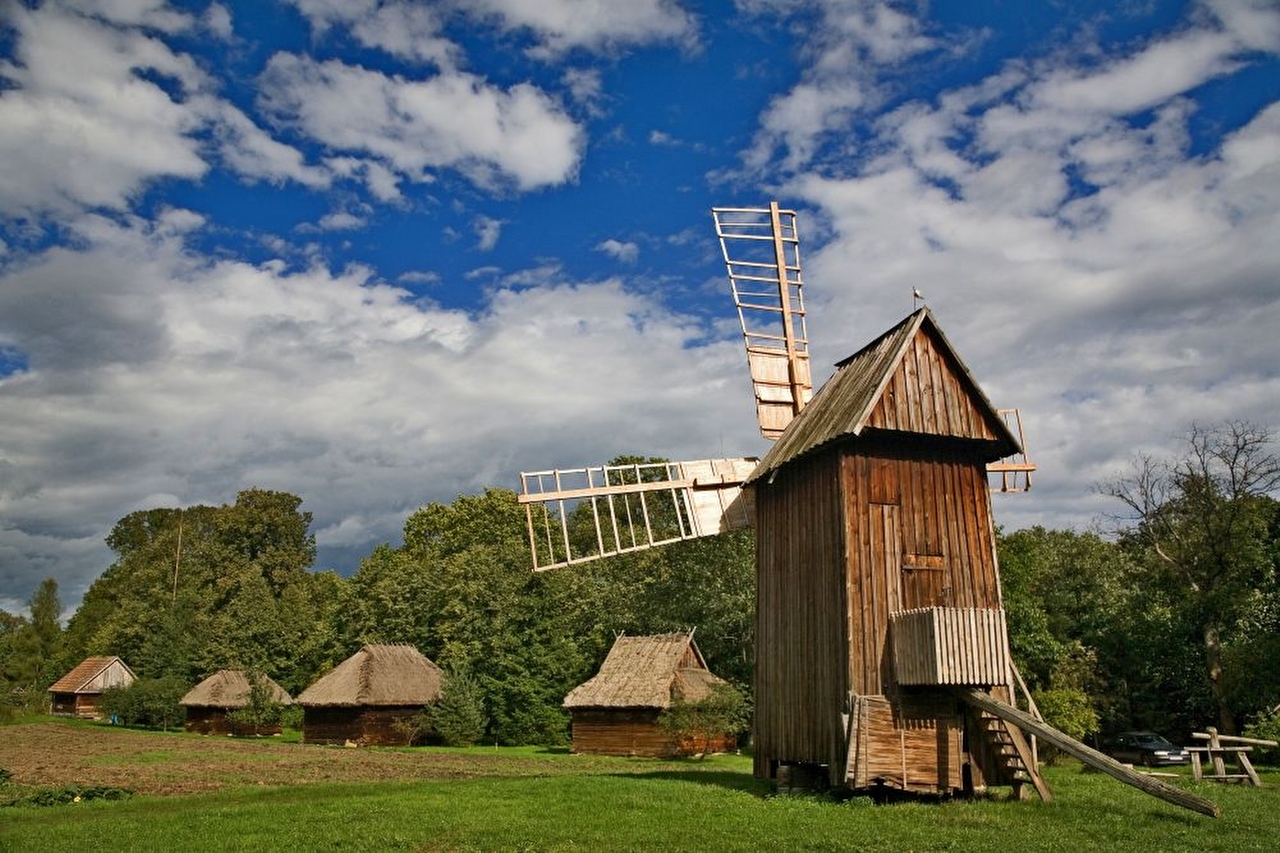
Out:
{"x": 576, "y": 515}
{"x": 1012, "y": 473}
{"x": 761, "y": 248}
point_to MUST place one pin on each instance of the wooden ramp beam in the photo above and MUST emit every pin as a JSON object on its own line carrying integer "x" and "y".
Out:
{"x": 983, "y": 700}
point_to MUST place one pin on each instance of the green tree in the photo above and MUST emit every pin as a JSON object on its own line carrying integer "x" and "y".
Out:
{"x": 34, "y": 649}
{"x": 261, "y": 709}
{"x": 1203, "y": 522}
{"x": 199, "y": 589}
{"x": 458, "y": 717}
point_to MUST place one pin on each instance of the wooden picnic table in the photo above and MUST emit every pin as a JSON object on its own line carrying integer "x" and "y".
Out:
{"x": 1220, "y": 748}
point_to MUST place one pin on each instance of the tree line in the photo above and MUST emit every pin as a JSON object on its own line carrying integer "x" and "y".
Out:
{"x": 1172, "y": 623}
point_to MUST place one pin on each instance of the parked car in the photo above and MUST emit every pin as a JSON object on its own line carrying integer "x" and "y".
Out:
{"x": 1146, "y": 748}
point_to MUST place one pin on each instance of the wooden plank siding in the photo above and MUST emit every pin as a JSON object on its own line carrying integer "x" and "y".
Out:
{"x": 931, "y": 547}
{"x": 635, "y": 732}
{"x": 875, "y": 501}
{"x": 801, "y": 640}
{"x": 914, "y": 742}
{"x": 927, "y": 395}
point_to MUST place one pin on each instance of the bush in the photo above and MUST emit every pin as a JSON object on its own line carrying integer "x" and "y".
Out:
{"x": 1069, "y": 711}
{"x": 1266, "y": 726}
{"x": 723, "y": 711}
{"x": 148, "y": 702}
{"x": 457, "y": 718}
{"x": 262, "y": 710}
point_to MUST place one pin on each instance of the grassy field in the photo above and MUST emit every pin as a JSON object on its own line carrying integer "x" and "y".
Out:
{"x": 219, "y": 794}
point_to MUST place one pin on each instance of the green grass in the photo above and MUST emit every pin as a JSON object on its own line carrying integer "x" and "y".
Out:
{"x": 707, "y": 805}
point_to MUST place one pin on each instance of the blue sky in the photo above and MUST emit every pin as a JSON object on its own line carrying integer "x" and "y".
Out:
{"x": 380, "y": 254}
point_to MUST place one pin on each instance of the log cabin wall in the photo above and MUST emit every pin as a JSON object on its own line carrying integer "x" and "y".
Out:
{"x": 802, "y": 646}
{"x": 207, "y": 721}
{"x": 215, "y": 721}
{"x": 365, "y": 725}
{"x": 620, "y": 731}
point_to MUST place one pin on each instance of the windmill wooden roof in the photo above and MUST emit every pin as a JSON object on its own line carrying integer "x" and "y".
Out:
{"x": 93, "y": 675}
{"x": 909, "y": 379}
{"x": 646, "y": 672}
{"x": 395, "y": 675}
{"x": 229, "y": 688}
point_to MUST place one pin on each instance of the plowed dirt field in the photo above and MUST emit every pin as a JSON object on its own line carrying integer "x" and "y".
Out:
{"x": 52, "y": 753}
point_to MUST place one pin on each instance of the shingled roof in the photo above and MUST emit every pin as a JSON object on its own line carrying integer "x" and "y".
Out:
{"x": 229, "y": 688}
{"x": 396, "y": 675}
{"x": 850, "y": 401}
{"x": 647, "y": 672}
{"x": 91, "y": 676}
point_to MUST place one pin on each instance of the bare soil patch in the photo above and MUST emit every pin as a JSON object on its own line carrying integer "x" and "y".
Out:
{"x": 55, "y": 753}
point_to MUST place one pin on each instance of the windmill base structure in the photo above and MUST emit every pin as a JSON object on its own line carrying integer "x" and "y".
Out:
{"x": 881, "y": 649}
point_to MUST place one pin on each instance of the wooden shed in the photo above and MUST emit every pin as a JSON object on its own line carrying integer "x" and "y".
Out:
{"x": 227, "y": 690}
{"x": 363, "y": 698}
{"x": 616, "y": 711}
{"x": 79, "y": 692}
{"x": 878, "y": 590}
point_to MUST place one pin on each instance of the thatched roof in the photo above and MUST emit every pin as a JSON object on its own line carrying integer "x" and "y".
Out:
{"x": 93, "y": 674}
{"x": 647, "y": 672}
{"x": 377, "y": 675}
{"x": 848, "y": 400}
{"x": 229, "y": 688}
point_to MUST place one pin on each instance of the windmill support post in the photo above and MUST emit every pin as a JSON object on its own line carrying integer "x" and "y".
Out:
{"x": 984, "y": 701}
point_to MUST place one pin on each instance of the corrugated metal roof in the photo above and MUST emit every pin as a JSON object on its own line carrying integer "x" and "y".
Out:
{"x": 396, "y": 674}
{"x": 841, "y": 407}
{"x": 645, "y": 672}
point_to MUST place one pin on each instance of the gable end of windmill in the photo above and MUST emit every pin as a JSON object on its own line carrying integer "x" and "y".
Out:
{"x": 909, "y": 380}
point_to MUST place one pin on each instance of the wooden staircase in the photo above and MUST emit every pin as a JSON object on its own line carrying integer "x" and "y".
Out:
{"x": 1013, "y": 755}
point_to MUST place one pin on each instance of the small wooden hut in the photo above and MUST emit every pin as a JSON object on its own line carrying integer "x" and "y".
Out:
{"x": 79, "y": 692}
{"x": 227, "y": 690}
{"x": 878, "y": 591}
{"x": 616, "y": 711}
{"x": 363, "y": 698}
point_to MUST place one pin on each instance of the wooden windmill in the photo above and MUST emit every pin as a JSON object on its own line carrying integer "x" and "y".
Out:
{"x": 882, "y": 657}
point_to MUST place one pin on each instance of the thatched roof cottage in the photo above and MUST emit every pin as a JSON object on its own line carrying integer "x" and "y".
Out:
{"x": 79, "y": 692}
{"x": 227, "y": 690}
{"x": 616, "y": 711}
{"x": 363, "y": 698}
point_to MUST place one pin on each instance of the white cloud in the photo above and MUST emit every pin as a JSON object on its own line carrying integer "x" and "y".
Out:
{"x": 1088, "y": 269}
{"x": 495, "y": 137}
{"x": 487, "y": 230}
{"x": 627, "y": 252}
{"x": 153, "y": 14}
{"x": 595, "y": 25}
{"x": 82, "y": 126}
{"x": 341, "y": 220}
{"x": 155, "y": 371}
{"x": 406, "y": 30}
{"x": 848, "y": 46}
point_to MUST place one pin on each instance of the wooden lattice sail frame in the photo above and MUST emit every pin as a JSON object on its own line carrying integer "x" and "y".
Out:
{"x": 576, "y": 515}
{"x": 761, "y": 248}
{"x": 1012, "y": 473}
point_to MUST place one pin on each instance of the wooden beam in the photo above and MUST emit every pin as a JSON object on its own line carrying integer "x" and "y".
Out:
{"x": 1093, "y": 758}
{"x": 595, "y": 491}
